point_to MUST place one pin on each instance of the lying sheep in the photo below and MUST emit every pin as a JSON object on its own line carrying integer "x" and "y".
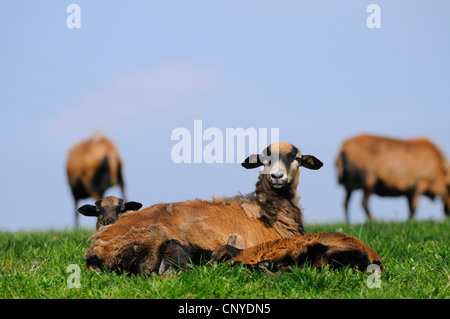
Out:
{"x": 108, "y": 210}
{"x": 324, "y": 248}
{"x": 167, "y": 235}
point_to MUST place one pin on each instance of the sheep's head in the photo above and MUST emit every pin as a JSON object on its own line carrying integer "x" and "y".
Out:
{"x": 281, "y": 165}
{"x": 108, "y": 209}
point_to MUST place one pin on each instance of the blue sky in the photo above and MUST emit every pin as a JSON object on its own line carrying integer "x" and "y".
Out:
{"x": 138, "y": 70}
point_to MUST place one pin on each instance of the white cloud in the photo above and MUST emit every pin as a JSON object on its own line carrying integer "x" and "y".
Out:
{"x": 169, "y": 90}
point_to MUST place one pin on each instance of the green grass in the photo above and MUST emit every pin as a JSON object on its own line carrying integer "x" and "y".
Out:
{"x": 415, "y": 254}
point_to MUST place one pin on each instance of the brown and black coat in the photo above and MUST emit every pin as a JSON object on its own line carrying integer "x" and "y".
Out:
{"x": 165, "y": 235}
{"x": 393, "y": 167}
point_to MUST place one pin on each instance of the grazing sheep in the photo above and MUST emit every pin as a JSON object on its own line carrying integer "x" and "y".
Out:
{"x": 108, "y": 210}
{"x": 325, "y": 248}
{"x": 92, "y": 167}
{"x": 391, "y": 167}
{"x": 166, "y": 235}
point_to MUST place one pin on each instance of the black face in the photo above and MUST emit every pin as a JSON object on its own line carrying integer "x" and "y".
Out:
{"x": 108, "y": 209}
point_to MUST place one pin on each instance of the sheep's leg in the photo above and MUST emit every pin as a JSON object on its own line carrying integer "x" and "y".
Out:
{"x": 76, "y": 219}
{"x": 413, "y": 198}
{"x": 227, "y": 252}
{"x": 120, "y": 181}
{"x": 365, "y": 203}
{"x": 224, "y": 253}
{"x": 412, "y": 203}
{"x": 175, "y": 255}
{"x": 138, "y": 251}
{"x": 347, "y": 199}
{"x": 122, "y": 189}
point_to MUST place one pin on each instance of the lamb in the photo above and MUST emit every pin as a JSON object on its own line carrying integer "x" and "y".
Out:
{"x": 92, "y": 167}
{"x": 108, "y": 210}
{"x": 170, "y": 235}
{"x": 318, "y": 249}
{"x": 392, "y": 167}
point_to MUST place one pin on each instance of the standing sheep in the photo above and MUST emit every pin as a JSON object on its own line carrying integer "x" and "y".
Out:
{"x": 92, "y": 167}
{"x": 165, "y": 235}
{"x": 392, "y": 167}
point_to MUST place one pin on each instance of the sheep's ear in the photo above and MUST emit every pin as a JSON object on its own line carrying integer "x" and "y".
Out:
{"x": 253, "y": 161}
{"x": 310, "y": 162}
{"x": 88, "y": 210}
{"x": 132, "y": 206}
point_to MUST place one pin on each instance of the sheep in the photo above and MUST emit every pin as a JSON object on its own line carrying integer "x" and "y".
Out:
{"x": 392, "y": 167}
{"x": 318, "y": 249}
{"x": 92, "y": 167}
{"x": 163, "y": 236}
{"x": 108, "y": 210}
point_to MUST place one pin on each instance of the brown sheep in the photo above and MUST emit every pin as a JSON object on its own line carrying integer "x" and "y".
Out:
{"x": 325, "y": 248}
{"x": 92, "y": 167}
{"x": 108, "y": 210}
{"x": 392, "y": 167}
{"x": 165, "y": 235}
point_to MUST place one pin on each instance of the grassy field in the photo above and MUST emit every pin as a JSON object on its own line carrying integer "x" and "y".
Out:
{"x": 415, "y": 254}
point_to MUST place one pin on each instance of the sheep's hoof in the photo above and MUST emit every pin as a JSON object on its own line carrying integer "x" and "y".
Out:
{"x": 94, "y": 262}
{"x": 224, "y": 253}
